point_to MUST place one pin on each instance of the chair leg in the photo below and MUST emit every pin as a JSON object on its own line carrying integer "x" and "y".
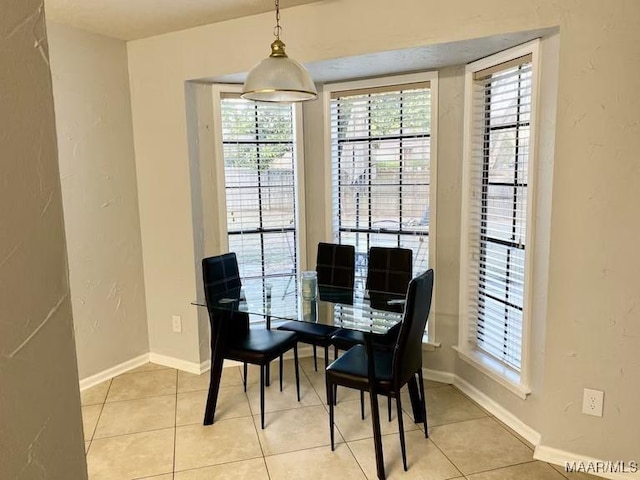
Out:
{"x": 244, "y": 377}
{"x": 214, "y": 386}
{"x": 267, "y": 375}
{"x": 389, "y": 407}
{"x": 315, "y": 359}
{"x": 262, "y": 372}
{"x": 280, "y": 372}
{"x": 403, "y": 446}
{"x": 326, "y": 357}
{"x": 423, "y": 402}
{"x": 330, "y": 401}
{"x": 362, "y": 404}
{"x": 335, "y": 352}
{"x": 295, "y": 364}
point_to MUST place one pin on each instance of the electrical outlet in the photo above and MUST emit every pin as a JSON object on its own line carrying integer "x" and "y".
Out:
{"x": 176, "y": 322}
{"x": 593, "y": 402}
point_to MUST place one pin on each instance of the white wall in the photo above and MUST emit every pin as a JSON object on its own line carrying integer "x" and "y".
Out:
{"x": 40, "y": 420}
{"x": 590, "y": 326}
{"x": 97, "y": 168}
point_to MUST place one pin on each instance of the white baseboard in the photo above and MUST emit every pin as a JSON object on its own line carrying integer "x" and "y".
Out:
{"x": 109, "y": 373}
{"x": 498, "y": 411}
{"x": 438, "y": 376}
{"x": 205, "y": 366}
{"x": 561, "y": 457}
{"x": 179, "y": 364}
{"x": 172, "y": 362}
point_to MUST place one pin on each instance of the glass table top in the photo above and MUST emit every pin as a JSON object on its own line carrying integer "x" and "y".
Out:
{"x": 281, "y": 299}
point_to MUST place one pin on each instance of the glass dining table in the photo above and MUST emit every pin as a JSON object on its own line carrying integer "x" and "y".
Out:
{"x": 373, "y": 313}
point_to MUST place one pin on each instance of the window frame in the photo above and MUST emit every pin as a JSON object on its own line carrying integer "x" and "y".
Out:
{"x": 385, "y": 82}
{"x": 516, "y": 382}
{"x": 218, "y": 93}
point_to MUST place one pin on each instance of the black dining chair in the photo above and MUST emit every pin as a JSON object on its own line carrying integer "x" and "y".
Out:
{"x": 389, "y": 270}
{"x": 335, "y": 266}
{"x": 231, "y": 336}
{"x": 391, "y": 369}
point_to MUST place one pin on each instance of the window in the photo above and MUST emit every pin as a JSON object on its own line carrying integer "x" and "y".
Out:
{"x": 381, "y": 166}
{"x": 259, "y": 151}
{"x": 496, "y": 227}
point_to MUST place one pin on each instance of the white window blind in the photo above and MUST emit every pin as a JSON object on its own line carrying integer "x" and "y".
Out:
{"x": 259, "y": 168}
{"x": 497, "y": 229}
{"x": 381, "y": 144}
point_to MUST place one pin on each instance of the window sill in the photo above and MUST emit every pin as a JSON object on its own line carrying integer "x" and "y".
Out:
{"x": 430, "y": 346}
{"x": 495, "y": 370}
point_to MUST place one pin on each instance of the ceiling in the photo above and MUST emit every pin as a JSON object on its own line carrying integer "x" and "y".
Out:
{"x": 422, "y": 58}
{"x": 133, "y": 19}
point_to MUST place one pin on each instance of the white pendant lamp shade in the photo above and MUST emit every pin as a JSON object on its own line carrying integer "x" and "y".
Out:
{"x": 279, "y": 78}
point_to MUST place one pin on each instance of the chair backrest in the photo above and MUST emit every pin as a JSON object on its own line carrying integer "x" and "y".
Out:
{"x": 407, "y": 357}
{"x": 220, "y": 274}
{"x": 336, "y": 265}
{"x": 389, "y": 269}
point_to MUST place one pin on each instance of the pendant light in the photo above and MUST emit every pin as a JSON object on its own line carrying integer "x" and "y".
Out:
{"x": 279, "y": 78}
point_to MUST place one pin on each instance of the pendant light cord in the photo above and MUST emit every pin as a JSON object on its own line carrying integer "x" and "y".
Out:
{"x": 277, "y": 29}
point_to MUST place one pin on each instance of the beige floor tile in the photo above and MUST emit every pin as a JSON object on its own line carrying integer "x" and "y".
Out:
{"x": 140, "y": 415}
{"x": 96, "y": 394}
{"x": 350, "y": 424}
{"x": 254, "y": 469}
{"x": 224, "y": 441}
{"x": 424, "y": 459}
{"x": 253, "y": 372}
{"x": 479, "y": 445}
{"x": 148, "y": 367}
{"x": 168, "y": 476}
{"x": 275, "y": 400}
{"x": 231, "y": 376}
{"x": 573, "y": 475}
{"x": 232, "y": 403}
{"x": 188, "y": 382}
{"x": 131, "y": 386}
{"x": 86, "y": 446}
{"x": 446, "y": 405}
{"x": 434, "y": 384}
{"x": 317, "y": 380}
{"x": 306, "y": 363}
{"x": 316, "y": 463}
{"x": 515, "y": 434}
{"x": 90, "y": 415}
{"x": 526, "y": 471}
{"x": 131, "y": 456}
{"x": 296, "y": 429}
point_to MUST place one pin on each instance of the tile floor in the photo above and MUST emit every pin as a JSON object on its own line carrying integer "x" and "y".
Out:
{"x": 147, "y": 424}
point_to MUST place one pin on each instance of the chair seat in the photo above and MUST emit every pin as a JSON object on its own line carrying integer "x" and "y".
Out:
{"x": 344, "y": 339}
{"x": 313, "y": 333}
{"x": 260, "y": 346}
{"x": 351, "y": 369}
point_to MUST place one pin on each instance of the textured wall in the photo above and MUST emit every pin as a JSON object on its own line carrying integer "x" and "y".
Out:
{"x": 591, "y": 321}
{"x": 40, "y": 421}
{"x": 97, "y": 168}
